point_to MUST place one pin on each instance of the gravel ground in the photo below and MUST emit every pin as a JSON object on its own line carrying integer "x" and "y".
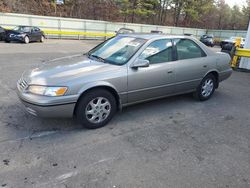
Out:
{"x": 175, "y": 142}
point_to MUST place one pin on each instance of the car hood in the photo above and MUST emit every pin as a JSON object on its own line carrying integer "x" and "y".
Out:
{"x": 62, "y": 70}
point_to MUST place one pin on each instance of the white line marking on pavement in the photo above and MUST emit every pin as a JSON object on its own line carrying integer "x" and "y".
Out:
{"x": 66, "y": 176}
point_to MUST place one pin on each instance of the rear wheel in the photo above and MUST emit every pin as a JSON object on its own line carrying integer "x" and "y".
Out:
{"x": 206, "y": 88}
{"x": 42, "y": 39}
{"x": 26, "y": 40}
{"x": 96, "y": 108}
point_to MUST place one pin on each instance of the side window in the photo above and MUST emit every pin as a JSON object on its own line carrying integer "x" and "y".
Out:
{"x": 187, "y": 49}
{"x": 36, "y": 29}
{"x": 159, "y": 51}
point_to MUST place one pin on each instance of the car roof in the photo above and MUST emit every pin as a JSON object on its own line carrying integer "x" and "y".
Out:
{"x": 152, "y": 36}
{"x": 24, "y": 26}
{"x": 149, "y": 36}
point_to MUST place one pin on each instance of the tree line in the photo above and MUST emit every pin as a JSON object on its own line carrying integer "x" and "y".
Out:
{"x": 208, "y": 14}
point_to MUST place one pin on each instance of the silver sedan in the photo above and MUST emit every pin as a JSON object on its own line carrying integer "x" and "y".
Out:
{"x": 122, "y": 71}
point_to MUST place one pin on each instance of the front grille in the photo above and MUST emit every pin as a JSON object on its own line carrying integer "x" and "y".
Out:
{"x": 22, "y": 84}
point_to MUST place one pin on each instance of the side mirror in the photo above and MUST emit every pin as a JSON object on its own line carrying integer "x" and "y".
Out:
{"x": 140, "y": 63}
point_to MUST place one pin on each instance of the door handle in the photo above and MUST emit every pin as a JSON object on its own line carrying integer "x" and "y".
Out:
{"x": 170, "y": 72}
{"x": 205, "y": 66}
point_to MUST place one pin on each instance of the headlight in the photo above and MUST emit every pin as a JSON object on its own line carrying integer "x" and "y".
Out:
{"x": 47, "y": 91}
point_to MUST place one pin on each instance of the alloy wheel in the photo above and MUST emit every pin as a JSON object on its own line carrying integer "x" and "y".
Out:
{"x": 26, "y": 40}
{"x": 98, "y": 110}
{"x": 207, "y": 87}
{"x": 42, "y": 38}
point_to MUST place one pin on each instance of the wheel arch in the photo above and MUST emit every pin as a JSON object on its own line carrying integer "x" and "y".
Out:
{"x": 216, "y": 75}
{"x": 92, "y": 87}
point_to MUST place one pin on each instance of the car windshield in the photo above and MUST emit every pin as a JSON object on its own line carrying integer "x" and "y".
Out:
{"x": 117, "y": 50}
{"x": 22, "y": 29}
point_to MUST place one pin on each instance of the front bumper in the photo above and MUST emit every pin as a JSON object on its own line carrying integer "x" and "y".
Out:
{"x": 14, "y": 38}
{"x": 44, "y": 106}
{"x": 50, "y": 111}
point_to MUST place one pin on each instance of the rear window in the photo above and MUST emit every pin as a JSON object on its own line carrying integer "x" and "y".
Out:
{"x": 188, "y": 49}
{"x": 36, "y": 29}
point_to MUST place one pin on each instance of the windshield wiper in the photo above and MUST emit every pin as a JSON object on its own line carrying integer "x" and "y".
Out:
{"x": 97, "y": 57}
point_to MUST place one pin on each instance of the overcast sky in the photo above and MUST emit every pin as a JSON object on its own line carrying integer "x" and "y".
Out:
{"x": 236, "y": 2}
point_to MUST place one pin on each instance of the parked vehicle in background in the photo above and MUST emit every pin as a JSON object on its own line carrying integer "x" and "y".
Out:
{"x": 231, "y": 41}
{"x": 124, "y": 70}
{"x": 156, "y": 31}
{"x": 189, "y": 34}
{"x": 2, "y": 33}
{"x": 207, "y": 40}
{"x": 25, "y": 34}
{"x": 227, "y": 48}
{"x": 124, "y": 31}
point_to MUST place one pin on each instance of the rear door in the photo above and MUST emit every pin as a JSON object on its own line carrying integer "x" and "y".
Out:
{"x": 36, "y": 34}
{"x": 157, "y": 79}
{"x": 191, "y": 65}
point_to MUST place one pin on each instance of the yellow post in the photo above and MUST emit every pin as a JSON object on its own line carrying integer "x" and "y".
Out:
{"x": 235, "y": 58}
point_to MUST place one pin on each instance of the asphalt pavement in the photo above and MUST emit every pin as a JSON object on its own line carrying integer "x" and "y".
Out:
{"x": 175, "y": 142}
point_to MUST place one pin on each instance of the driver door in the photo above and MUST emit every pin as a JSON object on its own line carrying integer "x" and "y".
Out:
{"x": 158, "y": 79}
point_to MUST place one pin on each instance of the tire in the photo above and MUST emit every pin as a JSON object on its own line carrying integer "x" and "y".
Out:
{"x": 90, "y": 114}
{"x": 206, "y": 88}
{"x": 26, "y": 40}
{"x": 42, "y": 39}
{"x": 7, "y": 41}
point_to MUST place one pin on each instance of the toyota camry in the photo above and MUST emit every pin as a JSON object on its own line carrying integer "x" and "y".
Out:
{"x": 124, "y": 70}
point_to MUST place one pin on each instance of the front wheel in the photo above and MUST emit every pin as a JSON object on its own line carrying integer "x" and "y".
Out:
{"x": 206, "y": 88}
{"x": 96, "y": 108}
{"x": 26, "y": 40}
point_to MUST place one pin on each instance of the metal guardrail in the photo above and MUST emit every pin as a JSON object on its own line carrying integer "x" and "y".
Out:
{"x": 79, "y": 33}
{"x": 238, "y": 52}
{"x": 87, "y": 28}
{"x": 241, "y": 52}
{"x": 97, "y": 29}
